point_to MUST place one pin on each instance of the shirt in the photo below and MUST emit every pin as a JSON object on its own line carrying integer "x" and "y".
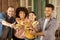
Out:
{"x": 1, "y": 18}
{"x": 45, "y": 23}
{"x": 9, "y": 20}
{"x": 50, "y": 29}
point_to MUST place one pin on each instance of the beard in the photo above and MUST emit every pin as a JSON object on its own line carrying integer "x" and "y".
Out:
{"x": 47, "y": 16}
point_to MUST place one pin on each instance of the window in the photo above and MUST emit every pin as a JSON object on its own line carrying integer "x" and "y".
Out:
{"x": 29, "y": 4}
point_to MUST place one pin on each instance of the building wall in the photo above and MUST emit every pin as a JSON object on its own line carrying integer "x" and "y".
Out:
{"x": 5, "y": 3}
{"x": 31, "y": 5}
{"x": 39, "y": 9}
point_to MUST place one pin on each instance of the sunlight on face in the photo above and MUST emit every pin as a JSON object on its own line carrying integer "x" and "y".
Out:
{"x": 48, "y": 11}
{"x": 32, "y": 16}
{"x": 10, "y": 11}
{"x": 22, "y": 14}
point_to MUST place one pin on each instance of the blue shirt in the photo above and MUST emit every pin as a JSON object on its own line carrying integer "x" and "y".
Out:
{"x": 1, "y": 26}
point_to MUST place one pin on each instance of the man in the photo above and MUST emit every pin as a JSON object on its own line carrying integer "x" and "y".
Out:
{"x": 48, "y": 25}
{"x": 8, "y": 23}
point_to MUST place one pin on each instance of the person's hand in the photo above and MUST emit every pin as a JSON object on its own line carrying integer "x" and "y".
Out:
{"x": 33, "y": 32}
{"x": 12, "y": 25}
{"x": 40, "y": 34}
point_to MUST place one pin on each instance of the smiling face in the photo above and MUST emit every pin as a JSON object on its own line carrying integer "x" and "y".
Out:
{"x": 10, "y": 12}
{"x": 48, "y": 11}
{"x": 32, "y": 16}
{"x": 22, "y": 14}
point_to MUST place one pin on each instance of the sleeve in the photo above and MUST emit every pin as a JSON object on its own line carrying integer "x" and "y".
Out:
{"x": 1, "y": 17}
{"x": 39, "y": 26}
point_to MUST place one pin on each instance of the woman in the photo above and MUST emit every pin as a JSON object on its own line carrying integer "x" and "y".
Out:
{"x": 21, "y": 14}
{"x": 33, "y": 24}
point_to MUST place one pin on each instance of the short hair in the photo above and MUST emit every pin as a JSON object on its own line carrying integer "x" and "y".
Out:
{"x": 24, "y": 9}
{"x": 10, "y": 6}
{"x": 50, "y": 5}
{"x": 32, "y": 12}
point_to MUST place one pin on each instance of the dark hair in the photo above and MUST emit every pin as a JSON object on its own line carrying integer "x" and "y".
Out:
{"x": 50, "y": 5}
{"x": 10, "y": 6}
{"x": 24, "y": 9}
{"x": 32, "y": 12}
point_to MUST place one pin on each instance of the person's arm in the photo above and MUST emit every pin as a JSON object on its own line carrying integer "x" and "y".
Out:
{"x": 2, "y": 20}
{"x": 40, "y": 34}
{"x": 52, "y": 29}
{"x": 35, "y": 32}
{"x": 6, "y": 23}
{"x": 1, "y": 17}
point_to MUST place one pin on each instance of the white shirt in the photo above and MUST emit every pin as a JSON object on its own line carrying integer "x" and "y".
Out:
{"x": 44, "y": 26}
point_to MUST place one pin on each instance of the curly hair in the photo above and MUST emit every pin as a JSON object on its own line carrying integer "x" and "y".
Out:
{"x": 24, "y": 9}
